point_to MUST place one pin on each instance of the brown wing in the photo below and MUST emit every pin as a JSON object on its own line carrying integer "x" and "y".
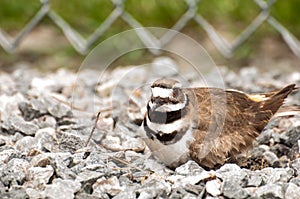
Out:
{"x": 229, "y": 121}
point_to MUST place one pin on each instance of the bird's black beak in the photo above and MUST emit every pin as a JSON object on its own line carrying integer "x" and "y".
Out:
{"x": 157, "y": 101}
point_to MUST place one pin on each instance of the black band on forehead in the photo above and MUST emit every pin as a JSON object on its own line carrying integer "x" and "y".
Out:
{"x": 162, "y": 85}
{"x": 165, "y": 83}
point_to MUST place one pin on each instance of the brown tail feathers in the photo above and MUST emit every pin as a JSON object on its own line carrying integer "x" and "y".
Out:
{"x": 275, "y": 101}
{"x": 269, "y": 106}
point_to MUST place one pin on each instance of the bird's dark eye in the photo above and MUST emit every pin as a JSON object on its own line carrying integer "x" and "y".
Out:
{"x": 176, "y": 92}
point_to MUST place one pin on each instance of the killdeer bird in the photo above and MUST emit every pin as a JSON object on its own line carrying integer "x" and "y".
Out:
{"x": 208, "y": 125}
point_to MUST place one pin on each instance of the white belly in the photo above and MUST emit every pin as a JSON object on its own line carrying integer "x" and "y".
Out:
{"x": 173, "y": 154}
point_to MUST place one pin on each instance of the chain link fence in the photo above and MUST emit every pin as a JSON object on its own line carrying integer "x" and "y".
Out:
{"x": 83, "y": 45}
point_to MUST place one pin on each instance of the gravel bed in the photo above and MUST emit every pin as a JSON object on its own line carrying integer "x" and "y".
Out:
{"x": 46, "y": 120}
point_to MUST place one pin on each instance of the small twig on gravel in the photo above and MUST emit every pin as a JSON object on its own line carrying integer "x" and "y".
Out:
{"x": 129, "y": 164}
{"x": 93, "y": 129}
{"x": 68, "y": 104}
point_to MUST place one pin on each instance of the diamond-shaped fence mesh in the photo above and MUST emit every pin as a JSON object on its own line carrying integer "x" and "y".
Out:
{"x": 83, "y": 45}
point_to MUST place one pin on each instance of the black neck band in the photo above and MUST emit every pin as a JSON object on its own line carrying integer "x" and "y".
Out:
{"x": 164, "y": 138}
{"x": 167, "y": 117}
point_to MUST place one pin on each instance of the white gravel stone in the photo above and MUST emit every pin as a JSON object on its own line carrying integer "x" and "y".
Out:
{"x": 270, "y": 191}
{"x": 110, "y": 186}
{"x": 38, "y": 176}
{"x": 292, "y": 192}
{"x": 213, "y": 187}
{"x": 61, "y": 189}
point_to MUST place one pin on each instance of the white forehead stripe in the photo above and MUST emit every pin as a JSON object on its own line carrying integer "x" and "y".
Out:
{"x": 178, "y": 85}
{"x": 162, "y": 92}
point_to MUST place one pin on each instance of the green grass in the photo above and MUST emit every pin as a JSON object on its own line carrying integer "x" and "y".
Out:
{"x": 14, "y": 14}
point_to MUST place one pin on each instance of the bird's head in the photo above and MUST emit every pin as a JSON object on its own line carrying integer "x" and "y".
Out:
{"x": 167, "y": 95}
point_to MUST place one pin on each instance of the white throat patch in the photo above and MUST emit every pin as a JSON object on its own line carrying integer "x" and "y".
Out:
{"x": 162, "y": 92}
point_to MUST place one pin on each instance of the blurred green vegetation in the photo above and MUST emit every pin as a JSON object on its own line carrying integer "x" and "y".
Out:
{"x": 86, "y": 15}
{"x": 231, "y": 16}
